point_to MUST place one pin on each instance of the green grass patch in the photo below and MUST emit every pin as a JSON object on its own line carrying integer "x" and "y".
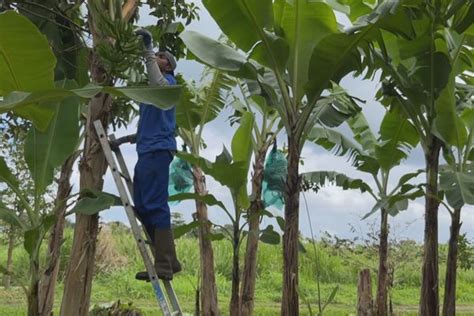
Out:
{"x": 118, "y": 260}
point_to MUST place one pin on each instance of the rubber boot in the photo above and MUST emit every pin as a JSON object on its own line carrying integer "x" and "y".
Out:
{"x": 166, "y": 262}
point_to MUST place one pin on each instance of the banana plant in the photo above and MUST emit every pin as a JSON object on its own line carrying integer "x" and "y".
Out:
{"x": 14, "y": 131}
{"x": 206, "y": 103}
{"x": 376, "y": 156}
{"x": 44, "y": 151}
{"x": 294, "y": 49}
{"x": 264, "y": 134}
{"x": 456, "y": 182}
{"x": 53, "y": 13}
{"x": 65, "y": 35}
{"x": 29, "y": 91}
{"x": 48, "y": 140}
{"x": 79, "y": 274}
{"x": 197, "y": 107}
{"x": 419, "y": 76}
{"x": 231, "y": 169}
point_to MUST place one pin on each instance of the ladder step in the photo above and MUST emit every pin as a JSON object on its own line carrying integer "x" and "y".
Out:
{"x": 121, "y": 174}
{"x": 124, "y": 176}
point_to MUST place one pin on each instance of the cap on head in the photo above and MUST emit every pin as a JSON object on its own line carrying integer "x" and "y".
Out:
{"x": 170, "y": 58}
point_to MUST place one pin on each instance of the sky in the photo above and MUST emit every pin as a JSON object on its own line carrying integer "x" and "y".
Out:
{"x": 332, "y": 209}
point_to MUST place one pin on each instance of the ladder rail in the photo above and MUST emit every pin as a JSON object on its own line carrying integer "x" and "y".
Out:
{"x": 123, "y": 166}
{"x": 132, "y": 219}
{"x": 172, "y": 296}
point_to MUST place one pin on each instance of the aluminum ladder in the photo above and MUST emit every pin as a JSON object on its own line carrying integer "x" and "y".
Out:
{"x": 169, "y": 305}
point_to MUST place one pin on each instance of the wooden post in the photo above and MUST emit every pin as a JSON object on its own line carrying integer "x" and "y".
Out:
{"x": 364, "y": 294}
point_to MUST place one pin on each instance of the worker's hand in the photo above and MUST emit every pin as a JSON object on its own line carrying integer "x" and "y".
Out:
{"x": 114, "y": 145}
{"x": 146, "y": 36}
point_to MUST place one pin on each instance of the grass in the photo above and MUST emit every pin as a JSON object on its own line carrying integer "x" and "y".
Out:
{"x": 118, "y": 259}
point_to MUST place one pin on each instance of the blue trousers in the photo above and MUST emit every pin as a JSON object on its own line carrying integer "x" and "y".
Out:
{"x": 150, "y": 189}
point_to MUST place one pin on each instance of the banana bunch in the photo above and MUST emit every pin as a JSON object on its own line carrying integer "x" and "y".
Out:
{"x": 126, "y": 40}
{"x": 120, "y": 49}
{"x": 115, "y": 62}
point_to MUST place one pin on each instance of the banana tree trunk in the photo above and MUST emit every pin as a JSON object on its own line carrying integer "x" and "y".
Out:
{"x": 382, "y": 282}
{"x": 234, "y": 307}
{"x": 290, "y": 304}
{"x": 9, "y": 266}
{"x": 92, "y": 167}
{"x": 208, "y": 278}
{"x": 197, "y": 300}
{"x": 50, "y": 275}
{"x": 429, "y": 304}
{"x": 250, "y": 265}
{"x": 33, "y": 291}
{"x": 449, "y": 306}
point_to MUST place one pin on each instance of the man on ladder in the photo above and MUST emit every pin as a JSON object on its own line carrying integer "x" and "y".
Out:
{"x": 156, "y": 146}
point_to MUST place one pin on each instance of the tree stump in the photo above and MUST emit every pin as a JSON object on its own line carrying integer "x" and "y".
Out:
{"x": 364, "y": 294}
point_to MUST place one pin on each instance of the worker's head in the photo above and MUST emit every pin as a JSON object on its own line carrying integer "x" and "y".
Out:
{"x": 166, "y": 61}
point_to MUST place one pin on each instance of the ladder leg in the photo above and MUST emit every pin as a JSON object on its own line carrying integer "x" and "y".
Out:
{"x": 172, "y": 297}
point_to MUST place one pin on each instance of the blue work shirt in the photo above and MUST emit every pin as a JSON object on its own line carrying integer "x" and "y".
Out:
{"x": 156, "y": 127}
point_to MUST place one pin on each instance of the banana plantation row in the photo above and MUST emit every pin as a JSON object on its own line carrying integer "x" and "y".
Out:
{"x": 66, "y": 64}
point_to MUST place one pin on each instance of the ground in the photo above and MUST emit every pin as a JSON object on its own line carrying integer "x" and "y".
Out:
{"x": 118, "y": 259}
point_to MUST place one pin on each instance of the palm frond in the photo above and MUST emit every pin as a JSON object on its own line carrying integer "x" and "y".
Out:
{"x": 215, "y": 94}
{"x": 334, "y": 109}
{"x": 200, "y": 105}
{"x": 362, "y": 132}
{"x": 188, "y": 112}
{"x": 317, "y": 179}
{"x": 398, "y": 136}
{"x": 336, "y": 142}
